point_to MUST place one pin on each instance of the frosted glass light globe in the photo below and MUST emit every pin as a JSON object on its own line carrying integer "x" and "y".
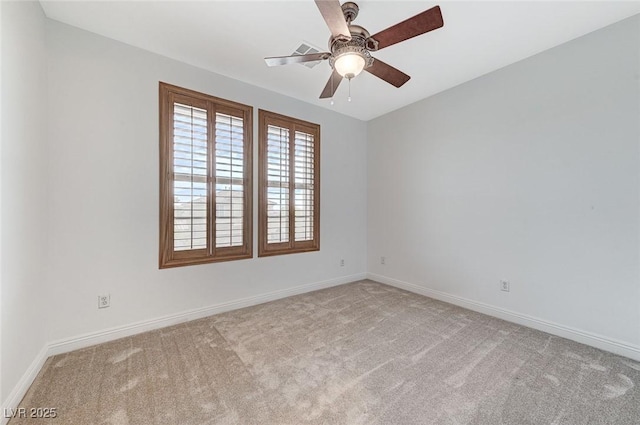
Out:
{"x": 349, "y": 65}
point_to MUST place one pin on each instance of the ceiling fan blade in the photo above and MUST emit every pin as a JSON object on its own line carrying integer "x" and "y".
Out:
{"x": 388, "y": 73}
{"x": 426, "y": 21}
{"x": 285, "y": 60}
{"x": 332, "y": 85}
{"x": 334, "y": 17}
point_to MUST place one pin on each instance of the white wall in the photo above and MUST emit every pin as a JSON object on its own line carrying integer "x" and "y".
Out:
{"x": 23, "y": 189}
{"x": 530, "y": 174}
{"x": 103, "y": 190}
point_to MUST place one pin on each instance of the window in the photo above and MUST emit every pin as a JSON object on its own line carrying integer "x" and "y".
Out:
{"x": 205, "y": 178}
{"x": 289, "y": 185}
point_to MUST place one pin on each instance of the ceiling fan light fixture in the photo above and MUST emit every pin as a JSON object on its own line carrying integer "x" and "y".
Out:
{"x": 349, "y": 64}
{"x": 350, "y": 45}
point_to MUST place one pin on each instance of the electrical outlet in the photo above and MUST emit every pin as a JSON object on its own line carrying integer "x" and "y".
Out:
{"x": 341, "y": 263}
{"x": 104, "y": 301}
{"x": 504, "y": 285}
{"x": 383, "y": 260}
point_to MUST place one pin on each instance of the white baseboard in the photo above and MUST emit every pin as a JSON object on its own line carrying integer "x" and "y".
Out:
{"x": 89, "y": 339}
{"x": 23, "y": 385}
{"x": 86, "y": 340}
{"x": 604, "y": 343}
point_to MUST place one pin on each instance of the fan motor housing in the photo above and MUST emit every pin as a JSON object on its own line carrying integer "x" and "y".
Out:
{"x": 358, "y": 44}
{"x": 357, "y": 32}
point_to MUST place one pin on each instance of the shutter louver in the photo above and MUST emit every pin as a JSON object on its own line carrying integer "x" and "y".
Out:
{"x": 189, "y": 177}
{"x": 304, "y": 186}
{"x": 229, "y": 180}
{"x": 277, "y": 184}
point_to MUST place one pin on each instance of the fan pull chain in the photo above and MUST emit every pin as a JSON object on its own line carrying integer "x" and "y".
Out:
{"x": 349, "y": 98}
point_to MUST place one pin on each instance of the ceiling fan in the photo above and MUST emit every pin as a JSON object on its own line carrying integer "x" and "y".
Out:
{"x": 350, "y": 46}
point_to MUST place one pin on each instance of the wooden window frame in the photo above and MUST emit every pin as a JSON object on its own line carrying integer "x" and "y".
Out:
{"x": 168, "y": 94}
{"x": 265, "y": 249}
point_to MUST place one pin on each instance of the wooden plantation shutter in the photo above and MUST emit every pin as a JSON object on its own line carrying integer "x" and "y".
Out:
{"x": 304, "y": 186}
{"x": 229, "y": 181}
{"x": 289, "y": 185}
{"x": 205, "y": 178}
{"x": 277, "y": 181}
{"x": 190, "y": 136}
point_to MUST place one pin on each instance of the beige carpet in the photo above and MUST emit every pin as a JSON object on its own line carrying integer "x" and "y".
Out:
{"x": 362, "y": 353}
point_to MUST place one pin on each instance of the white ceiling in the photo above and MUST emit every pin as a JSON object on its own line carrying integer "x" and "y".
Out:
{"x": 232, "y": 38}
